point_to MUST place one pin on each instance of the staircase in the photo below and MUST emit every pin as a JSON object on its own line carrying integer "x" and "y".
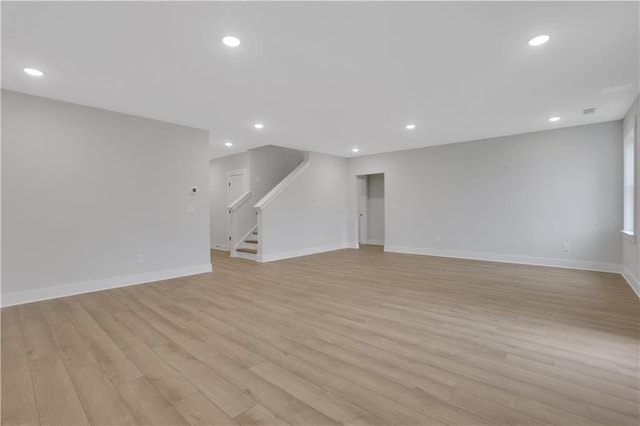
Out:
{"x": 248, "y": 247}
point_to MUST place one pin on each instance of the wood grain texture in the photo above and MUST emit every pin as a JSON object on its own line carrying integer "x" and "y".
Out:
{"x": 357, "y": 337}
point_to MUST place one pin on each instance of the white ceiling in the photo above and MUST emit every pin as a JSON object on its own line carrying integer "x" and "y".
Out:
{"x": 328, "y": 77}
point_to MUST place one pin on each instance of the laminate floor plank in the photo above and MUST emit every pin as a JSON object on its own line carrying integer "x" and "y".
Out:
{"x": 57, "y": 399}
{"x": 18, "y": 399}
{"x": 280, "y": 403}
{"x": 102, "y": 403}
{"x": 334, "y": 407}
{"x": 258, "y": 415}
{"x": 147, "y": 404}
{"x": 199, "y": 410}
{"x": 352, "y": 337}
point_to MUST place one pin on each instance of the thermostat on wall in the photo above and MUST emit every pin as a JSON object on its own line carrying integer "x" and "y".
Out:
{"x": 193, "y": 190}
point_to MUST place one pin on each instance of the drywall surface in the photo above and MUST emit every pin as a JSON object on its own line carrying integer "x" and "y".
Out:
{"x": 375, "y": 209}
{"x": 309, "y": 216}
{"x": 269, "y": 165}
{"x": 86, "y": 192}
{"x": 218, "y": 170}
{"x": 515, "y": 198}
{"x": 630, "y": 252}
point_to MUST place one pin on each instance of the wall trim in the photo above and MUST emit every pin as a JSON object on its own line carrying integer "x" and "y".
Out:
{"x": 507, "y": 258}
{"x": 375, "y": 242}
{"x": 302, "y": 252}
{"x": 221, "y": 247}
{"x": 20, "y": 297}
{"x": 633, "y": 283}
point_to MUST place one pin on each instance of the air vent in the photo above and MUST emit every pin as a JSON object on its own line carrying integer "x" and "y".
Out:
{"x": 588, "y": 110}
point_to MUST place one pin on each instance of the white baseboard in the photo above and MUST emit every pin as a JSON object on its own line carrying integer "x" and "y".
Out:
{"x": 221, "y": 247}
{"x": 301, "y": 252}
{"x": 375, "y": 242}
{"x": 633, "y": 282}
{"x": 507, "y": 258}
{"x": 18, "y": 298}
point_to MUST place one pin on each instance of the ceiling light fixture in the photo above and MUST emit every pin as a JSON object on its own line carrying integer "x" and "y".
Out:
{"x": 258, "y": 126}
{"x": 539, "y": 40}
{"x": 355, "y": 150}
{"x": 33, "y": 72}
{"x": 231, "y": 41}
{"x": 552, "y": 119}
{"x": 410, "y": 126}
{"x": 228, "y": 144}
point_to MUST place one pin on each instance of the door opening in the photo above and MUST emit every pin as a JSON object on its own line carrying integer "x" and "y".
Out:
{"x": 371, "y": 209}
{"x": 236, "y": 185}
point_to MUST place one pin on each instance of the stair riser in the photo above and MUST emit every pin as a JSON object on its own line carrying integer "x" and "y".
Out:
{"x": 247, "y": 256}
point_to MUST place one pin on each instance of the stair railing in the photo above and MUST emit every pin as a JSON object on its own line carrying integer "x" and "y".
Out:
{"x": 231, "y": 222}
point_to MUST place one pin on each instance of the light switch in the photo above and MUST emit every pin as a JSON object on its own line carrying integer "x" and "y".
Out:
{"x": 191, "y": 208}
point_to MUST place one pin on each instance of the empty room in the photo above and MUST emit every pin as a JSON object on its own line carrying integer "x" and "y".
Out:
{"x": 320, "y": 213}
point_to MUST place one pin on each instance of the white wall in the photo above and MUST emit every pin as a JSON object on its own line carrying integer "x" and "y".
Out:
{"x": 515, "y": 198}
{"x": 630, "y": 252}
{"x": 375, "y": 209}
{"x": 310, "y": 216}
{"x": 85, "y": 191}
{"x": 269, "y": 165}
{"x": 218, "y": 169}
{"x": 266, "y": 167}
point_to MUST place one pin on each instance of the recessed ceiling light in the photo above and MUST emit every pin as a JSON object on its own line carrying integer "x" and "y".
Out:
{"x": 258, "y": 126}
{"x": 355, "y": 150}
{"x": 228, "y": 144}
{"x": 33, "y": 72}
{"x": 410, "y": 126}
{"x": 231, "y": 41}
{"x": 554, "y": 119}
{"x": 539, "y": 40}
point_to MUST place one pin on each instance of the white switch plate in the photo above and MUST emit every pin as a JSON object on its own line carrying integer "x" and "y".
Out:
{"x": 566, "y": 246}
{"x": 191, "y": 208}
{"x": 141, "y": 258}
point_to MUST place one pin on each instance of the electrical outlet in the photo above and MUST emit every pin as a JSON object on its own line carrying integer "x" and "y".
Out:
{"x": 141, "y": 258}
{"x": 438, "y": 239}
{"x": 566, "y": 246}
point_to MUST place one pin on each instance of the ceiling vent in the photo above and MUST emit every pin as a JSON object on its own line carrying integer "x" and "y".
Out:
{"x": 588, "y": 110}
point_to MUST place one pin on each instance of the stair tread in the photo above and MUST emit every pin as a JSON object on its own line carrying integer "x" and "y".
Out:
{"x": 248, "y": 250}
{"x": 251, "y": 241}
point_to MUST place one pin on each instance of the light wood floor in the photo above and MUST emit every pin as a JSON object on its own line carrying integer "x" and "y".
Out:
{"x": 352, "y": 337}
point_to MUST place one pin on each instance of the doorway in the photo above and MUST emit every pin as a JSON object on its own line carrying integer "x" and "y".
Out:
{"x": 371, "y": 209}
{"x": 236, "y": 185}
